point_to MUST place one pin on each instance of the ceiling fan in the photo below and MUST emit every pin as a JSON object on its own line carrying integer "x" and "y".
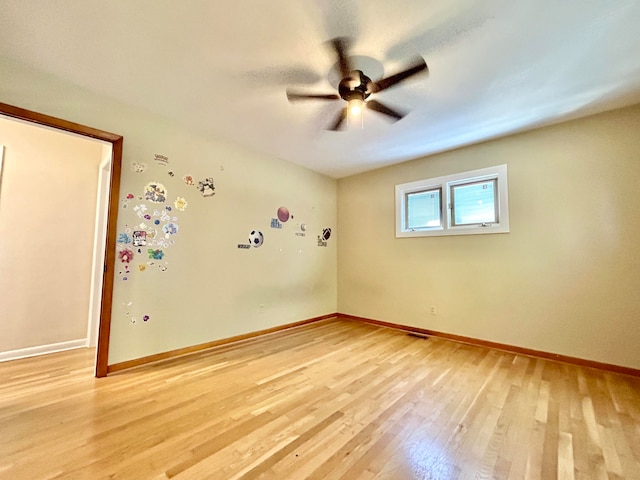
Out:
{"x": 356, "y": 88}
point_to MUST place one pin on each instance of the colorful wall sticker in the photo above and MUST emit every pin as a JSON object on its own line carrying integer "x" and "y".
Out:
{"x": 155, "y": 192}
{"x": 126, "y": 200}
{"x": 170, "y": 229}
{"x": 125, "y": 255}
{"x": 188, "y": 180}
{"x": 138, "y": 167}
{"x": 206, "y": 187}
{"x": 283, "y": 214}
{"x": 256, "y": 238}
{"x": 139, "y": 238}
{"x": 275, "y": 223}
{"x": 123, "y": 238}
{"x": 155, "y": 254}
{"x": 180, "y": 203}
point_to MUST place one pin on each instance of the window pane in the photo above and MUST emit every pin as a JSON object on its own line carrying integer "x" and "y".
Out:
{"x": 423, "y": 209}
{"x": 474, "y": 203}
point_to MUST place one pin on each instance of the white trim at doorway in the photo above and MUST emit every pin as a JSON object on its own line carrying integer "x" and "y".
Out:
{"x": 42, "y": 349}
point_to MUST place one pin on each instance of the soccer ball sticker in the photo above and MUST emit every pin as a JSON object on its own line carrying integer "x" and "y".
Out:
{"x": 256, "y": 238}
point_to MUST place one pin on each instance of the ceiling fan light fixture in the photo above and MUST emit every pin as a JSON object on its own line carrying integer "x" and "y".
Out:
{"x": 355, "y": 107}
{"x": 355, "y": 88}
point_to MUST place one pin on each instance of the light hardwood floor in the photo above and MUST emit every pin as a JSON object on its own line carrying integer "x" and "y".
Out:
{"x": 334, "y": 399}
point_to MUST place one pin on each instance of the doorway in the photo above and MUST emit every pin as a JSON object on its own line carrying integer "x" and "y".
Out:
{"x": 106, "y": 238}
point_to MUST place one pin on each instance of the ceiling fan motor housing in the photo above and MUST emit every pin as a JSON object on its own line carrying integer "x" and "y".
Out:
{"x": 355, "y": 86}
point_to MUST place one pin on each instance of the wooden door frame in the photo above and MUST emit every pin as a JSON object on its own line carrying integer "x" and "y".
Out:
{"x": 102, "y": 355}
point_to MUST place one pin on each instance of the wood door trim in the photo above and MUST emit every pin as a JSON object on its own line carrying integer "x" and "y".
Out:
{"x": 498, "y": 346}
{"x": 102, "y": 356}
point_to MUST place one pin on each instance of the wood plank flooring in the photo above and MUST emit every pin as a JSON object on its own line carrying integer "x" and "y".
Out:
{"x": 330, "y": 400}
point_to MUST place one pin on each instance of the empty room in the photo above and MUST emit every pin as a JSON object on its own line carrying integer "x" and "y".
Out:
{"x": 325, "y": 239}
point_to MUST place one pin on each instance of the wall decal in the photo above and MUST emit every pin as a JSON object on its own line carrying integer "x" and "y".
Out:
{"x": 302, "y": 232}
{"x": 139, "y": 238}
{"x": 125, "y": 255}
{"x": 170, "y": 229}
{"x": 155, "y": 254}
{"x": 256, "y": 238}
{"x": 155, "y": 192}
{"x": 243, "y": 245}
{"x": 275, "y": 223}
{"x": 138, "y": 167}
{"x": 123, "y": 238}
{"x": 206, "y": 187}
{"x": 188, "y": 179}
{"x": 171, "y": 174}
{"x": 322, "y": 239}
{"x": 140, "y": 210}
{"x": 126, "y": 200}
{"x": 161, "y": 159}
{"x": 181, "y": 203}
{"x": 142, "y": 267}
{"x": 283, "y": 214}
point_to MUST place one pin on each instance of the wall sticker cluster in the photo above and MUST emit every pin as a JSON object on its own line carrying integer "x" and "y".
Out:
{"x": 152, "y": 223}
{"x": 282, "y": 218}
{"x": 145, "y": 240}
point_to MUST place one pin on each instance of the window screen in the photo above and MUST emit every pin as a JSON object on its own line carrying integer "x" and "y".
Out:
{"x": 424, "y": 209}
{"x": 474, "y": 203}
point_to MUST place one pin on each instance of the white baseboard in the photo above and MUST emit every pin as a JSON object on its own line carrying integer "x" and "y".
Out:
{"x": 42, "y": 349}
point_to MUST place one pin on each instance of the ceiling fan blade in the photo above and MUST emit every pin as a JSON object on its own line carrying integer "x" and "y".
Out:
{"x": 296, "y": 96}
{"x": 341, "y": 45}
{"x": 380, "y": 108}
{"x": 419, "y": 66}
{"x": 339, "y": 122}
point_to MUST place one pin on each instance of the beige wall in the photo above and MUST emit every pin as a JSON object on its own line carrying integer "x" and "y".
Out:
{"x": 204, "y": 288}
{"x": 565, "y": 280}
{"x": 47, "y": 218}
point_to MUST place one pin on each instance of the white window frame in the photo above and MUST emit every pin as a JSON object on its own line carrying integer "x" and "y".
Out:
{"x": 498, "y": 172}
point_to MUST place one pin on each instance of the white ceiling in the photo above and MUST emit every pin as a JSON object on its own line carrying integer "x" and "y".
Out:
{"x": 222, "y": 66}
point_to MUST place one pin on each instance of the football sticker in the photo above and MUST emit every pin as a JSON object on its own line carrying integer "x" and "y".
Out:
{"x": 256, "y": 238}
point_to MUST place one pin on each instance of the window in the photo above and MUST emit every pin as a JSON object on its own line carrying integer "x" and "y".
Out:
{"x": 466, "y": 203}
